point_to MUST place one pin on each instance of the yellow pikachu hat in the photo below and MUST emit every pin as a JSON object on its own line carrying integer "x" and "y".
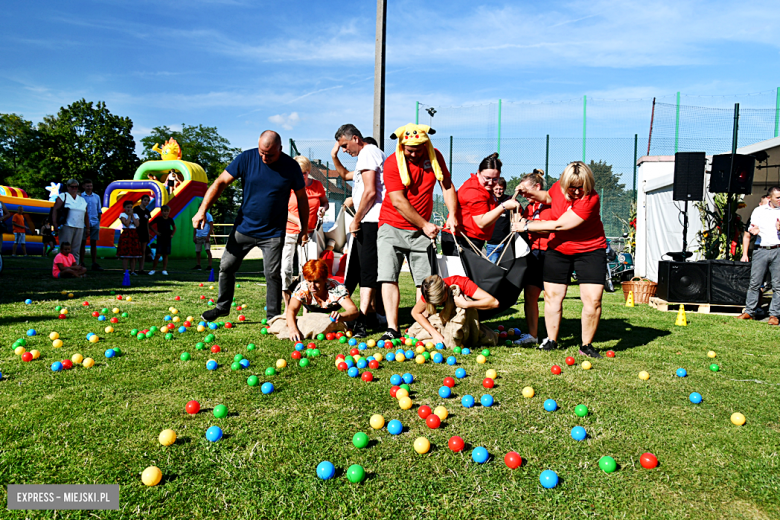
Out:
{"x": 414, "y": 135}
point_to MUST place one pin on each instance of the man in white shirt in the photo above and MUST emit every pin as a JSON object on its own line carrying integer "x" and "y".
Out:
{"x": 765, "y": 223}
{"x": 367, "y": 194}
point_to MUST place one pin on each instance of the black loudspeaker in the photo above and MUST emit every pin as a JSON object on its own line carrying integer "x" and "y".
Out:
{"x": 729, "y": 282}
{"x": 683, "y": 282}
{"x": 741, "y": 178}
{"x": 689, "y": 176}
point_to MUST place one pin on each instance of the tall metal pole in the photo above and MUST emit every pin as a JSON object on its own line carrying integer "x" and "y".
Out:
{"x": 650, "y": 137}
{"x": 450, "y": 155}
{"x": 677, "y": 125}
{"x": 379, "y": 73}
{"x": 636, "y": 141}
{"x": 498, "y": 149}
{"x": 547, "y": 157}
{"x": 417, "y": 113}
{"x": 584, "y": 123}
{"x": 731, "y": 174}
{"x": 777, "y": 112}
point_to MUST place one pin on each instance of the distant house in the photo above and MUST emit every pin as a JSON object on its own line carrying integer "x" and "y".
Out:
{"x": 336, "y": 188}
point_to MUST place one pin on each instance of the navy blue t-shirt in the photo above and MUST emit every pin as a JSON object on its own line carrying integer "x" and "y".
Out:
{"x": 263, "y": 212}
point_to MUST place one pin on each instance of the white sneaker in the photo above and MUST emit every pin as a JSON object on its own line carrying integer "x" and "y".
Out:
{"x": 152, "y": 272}
{"x": 165, "y": 273}
{"x": 526, "y": 339}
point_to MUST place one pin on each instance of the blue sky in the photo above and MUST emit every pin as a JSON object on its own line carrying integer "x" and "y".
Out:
{"x": 305, "y": 67}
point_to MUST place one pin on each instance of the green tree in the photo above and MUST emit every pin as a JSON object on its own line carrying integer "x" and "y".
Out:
{"x": 20, "y": 155}
{"x": 201, "y": 145}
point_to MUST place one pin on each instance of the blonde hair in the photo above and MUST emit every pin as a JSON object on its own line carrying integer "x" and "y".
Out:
{"x": 535, "y": 177}
{"x": 436, "y": 292}
{"x": 577, "y": 170}
{"x": 304, "y": 163}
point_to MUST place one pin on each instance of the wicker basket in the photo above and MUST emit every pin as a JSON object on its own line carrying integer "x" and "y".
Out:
{"x": 643, "y": 289}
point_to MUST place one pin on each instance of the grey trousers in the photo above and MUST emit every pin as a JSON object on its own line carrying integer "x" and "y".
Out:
{"x": 238, "y": 246}
{"x": 74, "y": 236}
{"x": 764, "y": 260}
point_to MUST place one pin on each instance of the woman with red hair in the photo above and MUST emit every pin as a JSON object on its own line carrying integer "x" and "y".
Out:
{"x": 318, "y": 293}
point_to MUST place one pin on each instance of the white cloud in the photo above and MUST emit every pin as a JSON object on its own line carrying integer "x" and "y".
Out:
{"x": 285, "y": 121}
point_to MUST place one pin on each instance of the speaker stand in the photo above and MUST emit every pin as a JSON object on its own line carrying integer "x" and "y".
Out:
{"x": 684, "y": 254}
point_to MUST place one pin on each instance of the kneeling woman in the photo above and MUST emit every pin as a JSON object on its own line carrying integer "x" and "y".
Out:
{"x": 457, "y": 323}
{"x": 318, "y": 294}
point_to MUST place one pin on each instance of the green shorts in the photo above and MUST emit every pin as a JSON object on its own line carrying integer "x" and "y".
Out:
{"x": 393, "y": 245}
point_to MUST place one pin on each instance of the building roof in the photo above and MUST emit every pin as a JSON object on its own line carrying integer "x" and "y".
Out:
{"x": 330, "y": 179}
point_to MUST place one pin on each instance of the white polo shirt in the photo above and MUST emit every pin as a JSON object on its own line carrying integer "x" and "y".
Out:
{"x": 369, "y": 158}
{"x": 766, "y": 217}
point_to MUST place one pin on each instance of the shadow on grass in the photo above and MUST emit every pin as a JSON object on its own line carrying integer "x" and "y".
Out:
{"x": 628, "y": 335}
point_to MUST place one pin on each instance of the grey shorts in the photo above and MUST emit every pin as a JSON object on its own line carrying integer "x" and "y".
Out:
{"x": 20, "y": 238}
{"x": 201, "y": 242}
{"x": 94, "y": 235}
{"x": 393, "y": 245}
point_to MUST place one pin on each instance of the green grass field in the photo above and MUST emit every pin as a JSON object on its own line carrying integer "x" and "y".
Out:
{"x": 100, "y": 425}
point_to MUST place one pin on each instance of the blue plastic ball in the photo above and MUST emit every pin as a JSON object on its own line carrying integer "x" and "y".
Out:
{"x": 211, "y": 364}
{"x": 460, "y": 373}
{"x": 325, "y": 470}
{"x": 695, "y": 397}
{"x": 467, "y": 401}
{"x": 89, "y": 334}
{"x": 182, "y": 329}
{"x": 362, "y": 346}
{"x": 213, "y": 326}
{"x": 244, "y": 363}
{"x": 395, "y": 380}
{"x": 101, "y": 318}
{"x": 214, "y": 433}
{"x": 550, "y": 405}
{"x": 110, "y": 353}
{"x": 451, "y": 360}
{"x": 548, "y": 479}
{"x": 265, "y": 308}
{"x": 681, "y": 372}
{"x": 369, "y": 359}
{"x": 394, "y": 427}
{"x": 380, "y": 343}
{"x": 389, "y": 356}
{"x": 408, "y": 378}
{"x": 353, "y": 372}
{"x": 350, "y": 362}
{"x": 28, "y": 301}
{"x": 480, "y": 455}
{"x": 438, "y": 358}
{"x": 299, "y": 346}
{"x": 439, "y": 346}
{"x": 409, "y": 354}
{"x": 362, "y": 363}
{"x": 56, "y": 366}
{"x": 400, "y": 351}
{"x": 168, "y": 318}
{"x": 578, "y": 433}
{"x": 445, "y": 392}
{"x": 267, "y": 388}
{"x": 465, "y": 351}
{"x": 202, "y": 323}
{"x": 486, "y": 400}
{"x": 1, "y": 376}
{"x": 352, "y": 342}
{"x": 31, "y": 332}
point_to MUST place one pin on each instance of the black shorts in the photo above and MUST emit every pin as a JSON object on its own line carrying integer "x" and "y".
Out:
{"x": 591, "y": 267}
{"x": 365, "y": 244}
{"x": 534, "y": 272}
{"x": 163, "y": 245}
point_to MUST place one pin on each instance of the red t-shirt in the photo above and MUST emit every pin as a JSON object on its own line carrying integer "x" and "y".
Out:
{"x": 467, "y": 287}
{"x": 66, "y": 261}
{"x": 419, "y": 192}
{"x": 588, "y": 236}
{"x": 538, "y": 211}
{"x": 313, "y": 194}
{"x": 474, "y": 200}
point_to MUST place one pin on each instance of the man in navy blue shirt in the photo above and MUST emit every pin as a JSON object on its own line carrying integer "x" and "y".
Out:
{"x": 267, "y": 176}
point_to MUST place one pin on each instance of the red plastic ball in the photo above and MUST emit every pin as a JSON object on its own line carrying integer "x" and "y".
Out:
{"x": 177, "y": 298}
{"x": 187, "y": 324}
{"x": 501, "y": 328}
{"x": 311, "y": 345}
{"x": 242, "y": 318}
{"x": 448, "y": 381}
{"x": 119, "y": 297}
{"x": 228, "y": 325}
{"x": 67, "y": 364}
{"x": 329, "y": 336}
{"x": 211, "y": 300}
{"x": 295, "y": 355}
{"x": 27, "y": 357}
{"x": 424, "y": 412}
{"x": 513, "y": 460}
{"x": 339, "y": 335}
{"x": 202, "y": 296}
{"x": 192, "y": 407}
{"x": 556, "y": 370}
{"x": 145, "y": 331}
{"x": 456, "y": 444}
{"x": 201, "y": 285}
{"x": 502, "y": 335}
{"x": 343, "y": 366}
{"x": 648, "y": 460}
{"x": 433, "y": 421}
{"x": 215, "y": 348}
{"x": 393, "y": 390}
{"x": 340, "y": 356}
{"x": 114, "y": 320}
{"x": 62, "y": 316}
{"x": 354, "y": 352}
{"x": 85, "y": 304}
{"x": 367, "y": 376}
{"x": 373, "y": 364}
{"x": 95, "y": 314}
{"x": 570, "y": 361}
{"x": 610, "y": 353}
{"x": 488, "y": 383}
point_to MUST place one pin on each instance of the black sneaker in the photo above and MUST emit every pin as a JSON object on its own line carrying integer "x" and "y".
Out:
{"x": 548, "y": 344}
{"x": 588, "y": 350}
{"x": 213, "y": 314}
{"x": 359, "y": 330}
{"x": 96, "y": 267}
{"x": 197, "y": 268}
{"x": 141, "y": 271}
{"x": 391, "y": 334}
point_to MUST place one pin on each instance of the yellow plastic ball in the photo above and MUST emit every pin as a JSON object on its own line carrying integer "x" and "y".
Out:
{"x": 420, "y": 348}
{"x": 430, "y": 345}
{"x": 420, "y": 359}
{"x": 151, "y": 476}
{"x": 378, "y": 356}
{"x": 211, "y": 287}
{"x": 64, "y": 311}
{"x": 711, "y": 354}
{"x": 77, "y": 358}
{"x": 174, "y": 311}
{"x": 88, "y": 362}
{"x": 94, "y": 339}
{"x": 63, "y": 292}
{"x": 377, "y": 421}
{"x": 115, "y": 310}
{"x": 356, "y": 357}
{"x": 167, "y": 437}
{"x": 190, "y": 319}
{"x": 400, "y": 394}
{"x": 109, "y": 329}
{"x": 129, "y": 298}
{"x": 510, "y": 332}
{"x": 737, "y": 418}
{"x": 441, "y": 412}
{"x": 371, "y": 343}
{"x": 19, "y": 351}
{"x": 408, "y": 342}
{"x": 70, "y": 295}
{"x": 528, "y": 392}
{"x": 281, "y": 363}
{"x": 405, "y": 403}
{"x": 586, "y": 365}
{"x": 57, "y": 343}
{"x": 400, "y": 357}
{"x": 170, "y": 309}
{"x": 176, "y": 319}
{"x": 201, "y": 328}
{"x": 644, "y": 376}
{"x": 481, "y": 359}
{"x": 54, "y": 335}
{"x": 349, "y": 334}
{"x": 35, "y": 354}
{"x": 422, "y": 445}
{"x": 491, "y": 373}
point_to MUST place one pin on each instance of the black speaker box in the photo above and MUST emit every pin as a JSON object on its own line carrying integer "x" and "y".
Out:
{"x": 683, "y": 282}
{"x": 729, "y": 282}
{"x": 741, "y": 178}
{"x": 689, "y": 176}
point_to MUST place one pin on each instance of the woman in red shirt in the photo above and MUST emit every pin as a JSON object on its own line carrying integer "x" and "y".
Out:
{"x": 478, "y": 209}
{"x": 577, "y": 243}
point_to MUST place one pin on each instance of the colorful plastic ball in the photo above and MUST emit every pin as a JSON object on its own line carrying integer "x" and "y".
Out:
{"x": 481, "y": 359}
{"x": 67, "y": 364}
{"x": 114, "y": 320}
{"x": 456, "y": 444}
{"x": 360, "y": 440}
{"x": 401, "y": 392}
{"x": 252, "y": 381}
{"x": 408, "y": 378}
{"x": 343, "y": 339}
{"x": 456, "y": 350}
{"x": 356, "y": 474}
{"x": 681, "y": 372}
{"x": 695, "y": 397}
{"x": 57, "y": 343}
{"x": 362, "y": 363}
{"x": 303, "y": 363}
{"x": 27, "y": 301}
{"x": 587, "y": 365}
{"x": 151, "y": 476}
{"x": 648, "y": 461}
{"x": 405, "y": 403}
{"x": 406, "y": 387}
{"x": 211, "y": 365}
{"x": 486, "y": 400}
{"x": 377, "y": 421}
{"x": 467, "y": 401}
{"x": 711, "y": 354}
{"x": 109, "y": 329}
{"x": 389, "y": 356}
{"x": 488, "y": 383}
{"x": 215, "y": 349}
{"x": 528, "y": 392}
{"x": 644, "y": 376}
{"x": 169, "y": 336}
{"x": 185, "y": 356}
{"x": 54, "y": 335}
{"x": 424, "y": 411}
{"x": 367, "y": 377}
{"x": 31, "y": 332}
{"x": 27, "y": 357}
{"x": 353, "y": 372}
{"x": 117, "y": 351}
{"x": 433, "y": 421}
{"x": 167, "y": 437}
{"x": 228, "y": 325}
{"x": 214, "y": 433}
{"x": 738, "y": 419}
{"x": 295, "y": 354}
{"x": 714, "y": 367}
{"x": 352, "y": 342}
{"x": 109, "y": 353}
{"x": 578, "y": 433}
{"x": 235, "y": 365}
{"x": 548, "y": 479}
{"x": 607, "y": 464}
{"x": 267, "y": 388}
{"x": 580, "y": 410}
{"x": 445, "y": 392}
{"x": 35, "y": 354}
{"x": 325, "y": 470}
{"x": 570, "y": 361}
{"x": 550, "y": 405}
{"x": 451, "y": 360}
{"x": 442, "y": 412}
{"x": 460, "y": 373}
{"x": 373, "y": 364}
{"x": 610, "y": 353}
{"x": 56, "y": 366}
{"x": 513, "y": 460}
{"x": 20, "y": 350}
{"x": 62, "y": 316}
{"x": 422, "y": 445}
{"x": 480, "y": 455}
{"x": 88, "y": 363}
{"x": 394, "y": 427}
{"x": 466, "y": 351}
{"x": 220, "y": 411}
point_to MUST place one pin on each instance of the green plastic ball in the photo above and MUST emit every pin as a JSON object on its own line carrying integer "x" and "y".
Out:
{"x": 607, "y": 464}
{"x": 220, "y": 411}
{"x": 117, "y": 351}
{"x": 264, "y": 321}
{"x": 714, "y": 367}
{"x": 209, "y": 338}
{"x": 263, "y": 331}
{"x": 238, "y": 357}
{"x": 140, "y": 336}
{"x": 200, "y": 346}
{"x": 22, "y": 342}
{"x": 343, "y": 339}
{"x": 125, "y": 315}
{"x": 169, "y": 336}
{"x": 270, "y": 371}
{"x": 221, "y": 323}
{"x": 315, "y": 352}
{"x": 210, "y": 303}
{"x": 185, "y": 356}
{"x": 508, "y": 343}
{"x": 251, "y": 346}
{"x": 581, "y": 410}
{"x": 113, "y": 292}
{"x": 320, "y": 336}
{"x": 103, "y": 310}
{"x": 303, "y": 363}
{"x": 134, "y": 332}
{"x": 235, "y": 365}
{"x": 486, "y": 353}
{"x": 252, "y": 381}
{"x": 234, "y": 304}
{"x": 360, "y": 440}
{"x": 238, "y": 285}
{"x": 58, "y": 308}
{"x": 149, "y": 334}
{"x": 153, "y": 329}
{"x": 456, "y": 350}
{"x": 356, "y": 473}
{"x": 406, "y": 387}
{"x": 427, "y": 355}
